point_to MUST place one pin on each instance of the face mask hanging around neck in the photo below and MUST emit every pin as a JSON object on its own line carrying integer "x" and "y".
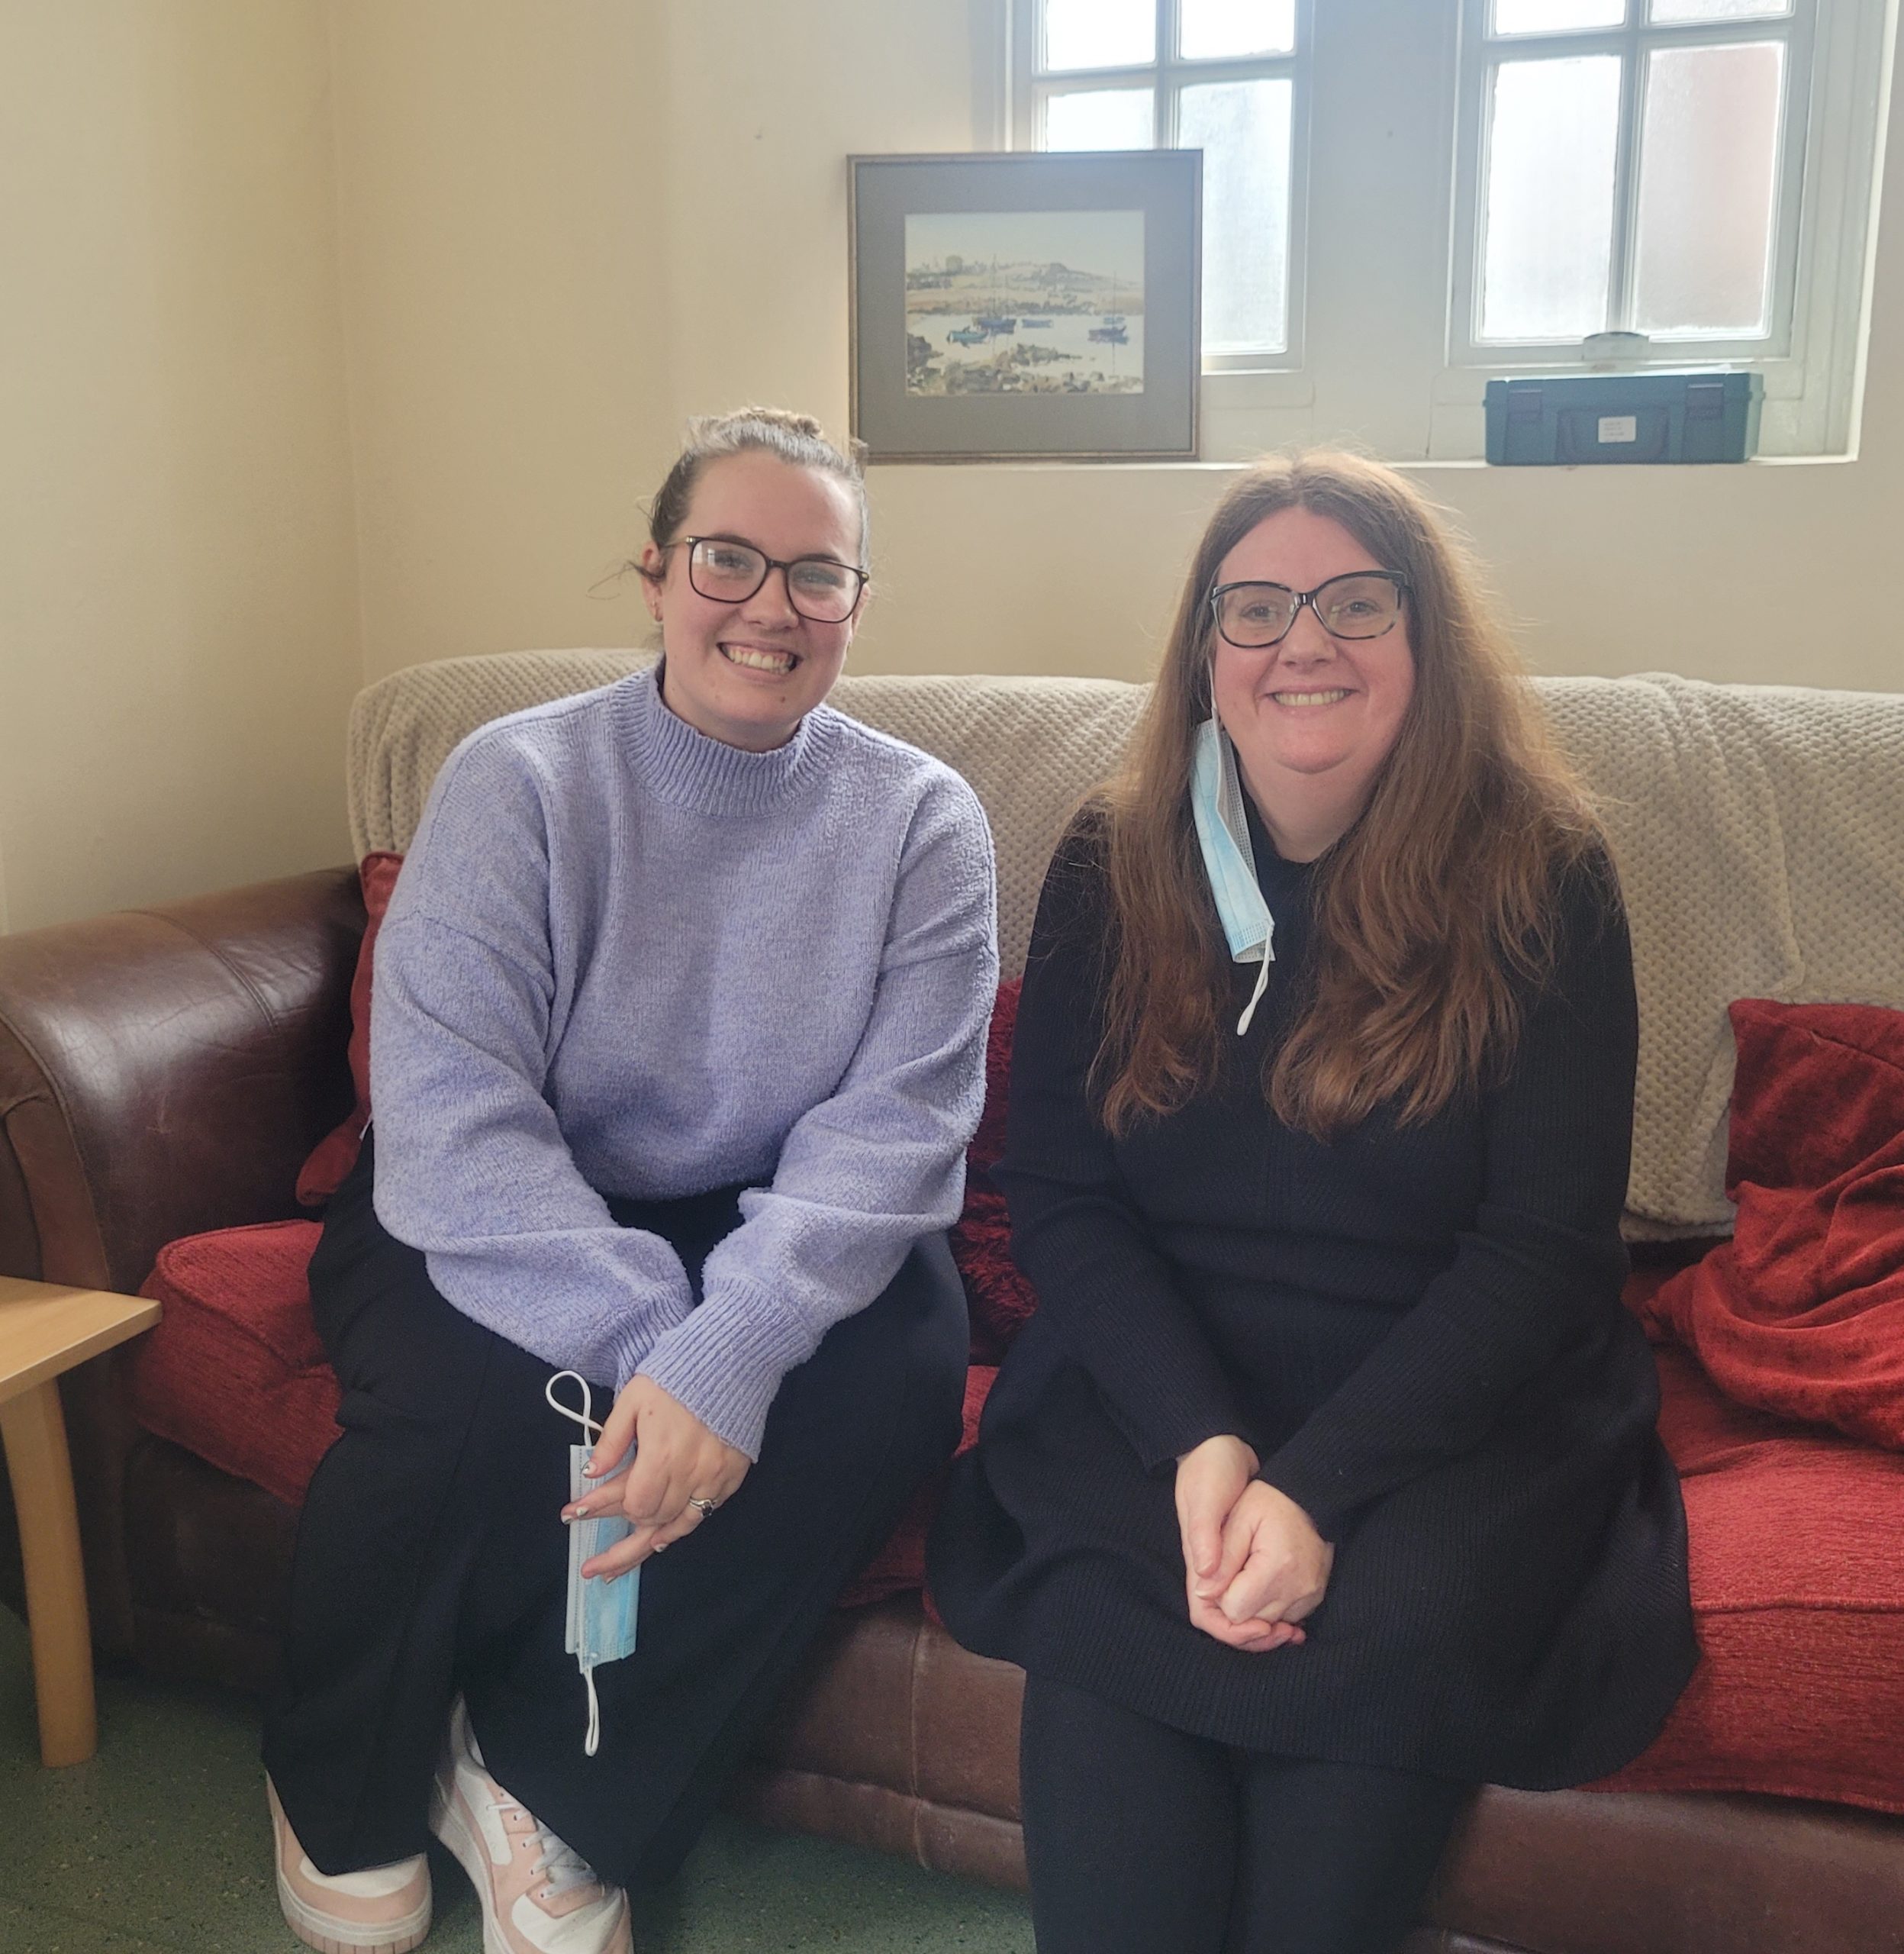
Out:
{"x": 1222, "y": 834}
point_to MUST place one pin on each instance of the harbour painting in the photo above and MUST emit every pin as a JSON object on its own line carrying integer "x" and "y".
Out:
{"x": 1025, "y": 302}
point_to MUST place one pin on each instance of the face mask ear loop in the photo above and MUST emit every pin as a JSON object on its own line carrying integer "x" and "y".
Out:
{"x": 589, "y": 1742}
{"x": 1256, "y": 996}
{"x": 590, "y": 1429}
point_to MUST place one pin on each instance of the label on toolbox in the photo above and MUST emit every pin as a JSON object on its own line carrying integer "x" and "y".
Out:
{"x": 1619, "y": 427}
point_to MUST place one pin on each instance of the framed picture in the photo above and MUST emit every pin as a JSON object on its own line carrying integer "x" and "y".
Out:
{"x": 1027, "y": 306}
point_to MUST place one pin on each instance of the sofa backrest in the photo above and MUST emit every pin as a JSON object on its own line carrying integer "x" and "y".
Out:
{"x": 1759, "y": 832}
{"x": 1030, "y": 747}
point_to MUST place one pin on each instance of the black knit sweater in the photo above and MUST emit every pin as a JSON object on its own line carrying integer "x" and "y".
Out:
{"x": 1419, "y": 1330}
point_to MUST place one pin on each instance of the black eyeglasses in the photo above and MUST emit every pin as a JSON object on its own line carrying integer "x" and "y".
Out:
{"x": 1364, "y": 604}
{"x": 729, "y": 573}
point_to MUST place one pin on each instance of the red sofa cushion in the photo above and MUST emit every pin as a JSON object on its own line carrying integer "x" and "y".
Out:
{"x": 1798, "y": 1587}
{"x": 1801, "y": 1312}
{"x": 334, "y": 1156}
{"x": 1797, "y": 1583}
{"x": 1000, "y": 1297}
{"x": 233, "y": 1371}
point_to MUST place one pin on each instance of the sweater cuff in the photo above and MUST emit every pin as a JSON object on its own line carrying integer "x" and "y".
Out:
{"x": 725, "y": 1362}
{"x": 1323, "y": 1494}
{"x": 631, "y": 1341}
{"x": 1170, "y": 1430}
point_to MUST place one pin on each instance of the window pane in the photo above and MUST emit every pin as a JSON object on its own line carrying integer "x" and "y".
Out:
{"x": 1217, "y": 30}
{"x": 1708, "y": 189}
{"x": 1553, "y": 16}
{"x": 1718, "y": 10}
{"x": 1550, "y": 198}
{"x": 1242, "y": 128}
{"x": 1100, "y": 119}
{"x": 1099, "y": 33}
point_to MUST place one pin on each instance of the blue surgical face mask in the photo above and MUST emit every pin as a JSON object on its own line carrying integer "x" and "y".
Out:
{"x": 601, "y": 1612}
{"x": 1222, "y": 832}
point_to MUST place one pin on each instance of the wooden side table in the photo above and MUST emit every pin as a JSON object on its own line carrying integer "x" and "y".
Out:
{"x": 45, "y": 1329}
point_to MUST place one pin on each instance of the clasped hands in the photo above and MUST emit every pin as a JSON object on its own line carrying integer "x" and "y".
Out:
{"x": 677, "y": 1459}
{"x": 1254, "y": 1564}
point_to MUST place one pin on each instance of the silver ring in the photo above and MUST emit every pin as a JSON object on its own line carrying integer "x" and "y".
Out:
{"x": 702, "y": 1507}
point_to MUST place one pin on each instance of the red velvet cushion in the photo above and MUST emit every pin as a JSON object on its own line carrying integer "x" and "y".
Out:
{"x": 1797, "y": 1583}
{"x": 1801, "y": 1312}
{"x": 335, "y": 1154}
{"x": 233, "y": 1370}
{"x": 999, "y": 1297}
{"x": 1798, "y": 1588}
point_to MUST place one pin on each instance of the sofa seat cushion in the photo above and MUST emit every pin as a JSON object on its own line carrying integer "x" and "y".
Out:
{"x": 1798, "y": 1588}
{"x": 233, "y": 1371}
{"x": 1798, "y": 1584}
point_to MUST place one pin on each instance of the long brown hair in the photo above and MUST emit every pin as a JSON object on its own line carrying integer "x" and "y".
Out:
{"x": 1432, "y": 913}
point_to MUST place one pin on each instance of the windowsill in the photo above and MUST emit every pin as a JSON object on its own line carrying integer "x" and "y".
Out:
{"x": 1411, "y": 466}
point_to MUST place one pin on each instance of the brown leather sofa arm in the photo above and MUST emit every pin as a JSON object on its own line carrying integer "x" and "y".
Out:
{"x": 162, "y": 1071}
{"x": 165, "y": 1070}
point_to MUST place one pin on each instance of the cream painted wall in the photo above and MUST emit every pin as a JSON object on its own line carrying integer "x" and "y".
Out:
{"x": 541, "y": 292}
{"x": 565, "y": 230}
{"x": 351, "y": 333}
{"x": 504, "y": 221}
{"x": 1709, "y": 572}
{"x": 178, "y": 619}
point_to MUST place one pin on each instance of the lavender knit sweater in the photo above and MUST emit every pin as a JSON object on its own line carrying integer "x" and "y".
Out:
{"x": 624, "y": 958}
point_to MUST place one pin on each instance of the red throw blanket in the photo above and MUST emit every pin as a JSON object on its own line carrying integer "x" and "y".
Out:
{"x": 1802, "y": 1313}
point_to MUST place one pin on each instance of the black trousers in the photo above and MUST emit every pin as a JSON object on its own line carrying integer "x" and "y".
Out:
{"x": 1142, "y": 1839}
{"x": 431, "y": 1558}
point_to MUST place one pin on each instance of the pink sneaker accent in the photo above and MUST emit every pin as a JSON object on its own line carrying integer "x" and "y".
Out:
{"x": 384, "y": 1910}
{"x": 538, "y": 1895}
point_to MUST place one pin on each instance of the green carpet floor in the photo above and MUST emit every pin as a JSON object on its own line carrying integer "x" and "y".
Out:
{"x": 160, "y": 1845}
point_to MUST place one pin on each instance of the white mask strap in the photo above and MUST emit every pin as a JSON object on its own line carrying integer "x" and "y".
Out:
{"x": 1256, "y": 996}
{"x": 585, "y": 1417}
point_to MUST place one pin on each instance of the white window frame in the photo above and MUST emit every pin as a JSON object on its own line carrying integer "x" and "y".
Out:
{"x": 1375, "y": 356}
{"x": 1165, "y": 76}
{"x": 1482, "y": 55}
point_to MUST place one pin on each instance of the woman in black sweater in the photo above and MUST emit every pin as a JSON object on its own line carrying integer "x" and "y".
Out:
{"x": 1324, "y": 1486}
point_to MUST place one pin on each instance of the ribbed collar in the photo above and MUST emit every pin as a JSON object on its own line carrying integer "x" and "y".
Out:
{"x": 685, "y": 768}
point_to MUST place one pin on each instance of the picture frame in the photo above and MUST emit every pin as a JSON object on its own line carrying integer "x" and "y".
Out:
{"x": 1027, "y": 306}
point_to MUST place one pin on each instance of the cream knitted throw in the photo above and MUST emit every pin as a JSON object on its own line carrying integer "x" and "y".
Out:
{"x": 1759, "y": 832}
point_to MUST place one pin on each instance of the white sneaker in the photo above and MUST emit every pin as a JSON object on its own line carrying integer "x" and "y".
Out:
{"x": 385, "y": 1910}
{"x": 538, "y": 1896}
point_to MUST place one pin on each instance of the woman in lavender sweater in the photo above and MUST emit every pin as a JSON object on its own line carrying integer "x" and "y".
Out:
{"x": 677, "y": 1044}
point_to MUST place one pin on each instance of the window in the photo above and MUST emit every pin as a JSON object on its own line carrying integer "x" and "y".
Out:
{"x": 1225, "y": 77}
{"x": 1403, "y": 198}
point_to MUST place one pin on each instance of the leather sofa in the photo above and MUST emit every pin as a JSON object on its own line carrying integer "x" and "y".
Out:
{"x": 164, "y": 1071}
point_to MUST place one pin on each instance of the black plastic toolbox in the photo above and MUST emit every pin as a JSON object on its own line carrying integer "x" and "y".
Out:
{"x": 1590, "y": 417}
